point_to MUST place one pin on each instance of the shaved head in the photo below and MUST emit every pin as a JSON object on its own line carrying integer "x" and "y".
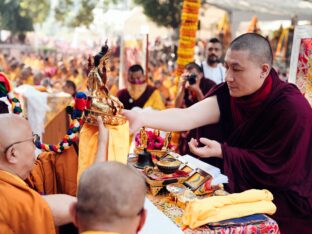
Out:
{"x": 109, "y": 192}
{"x": 13, "y": 128}
{"x": 259, "y": 47}
{"x": 17, "y": 150}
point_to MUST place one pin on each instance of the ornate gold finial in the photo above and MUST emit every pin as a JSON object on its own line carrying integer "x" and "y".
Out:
{"x": 100, "y": 102}
{"x": 144, "y": 138}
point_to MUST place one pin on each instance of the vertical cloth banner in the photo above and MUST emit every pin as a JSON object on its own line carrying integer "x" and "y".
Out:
{"x": 187, "y": 38}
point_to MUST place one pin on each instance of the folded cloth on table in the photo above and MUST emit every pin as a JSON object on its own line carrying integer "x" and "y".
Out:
{"x": 218, "y": 208}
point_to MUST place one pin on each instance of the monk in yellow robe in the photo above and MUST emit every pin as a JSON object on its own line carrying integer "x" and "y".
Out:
{"x": 138, "y": 92}
{"x": 97, "y": 211}
{"x": 23, "y": 210}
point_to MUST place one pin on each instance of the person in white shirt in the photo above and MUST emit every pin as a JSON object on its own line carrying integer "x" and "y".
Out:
{"x": 212, "y": 67}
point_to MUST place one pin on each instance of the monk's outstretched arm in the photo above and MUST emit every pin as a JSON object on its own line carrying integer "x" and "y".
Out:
{"x": 202, "y": 113}
{"x": 60, "y": 206}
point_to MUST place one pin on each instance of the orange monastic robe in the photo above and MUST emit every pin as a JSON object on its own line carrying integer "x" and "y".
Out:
{"x": 22, "y": 209}
{"x": 55, "y": 173}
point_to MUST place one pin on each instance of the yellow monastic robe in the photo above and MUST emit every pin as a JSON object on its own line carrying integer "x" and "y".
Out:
{"x": 22, "y": 210}
{"x": 155, "y": 101}
{"x": 118, "y": 145}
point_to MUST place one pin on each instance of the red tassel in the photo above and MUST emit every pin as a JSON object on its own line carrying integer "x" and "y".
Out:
{"x": 80, "y": 104}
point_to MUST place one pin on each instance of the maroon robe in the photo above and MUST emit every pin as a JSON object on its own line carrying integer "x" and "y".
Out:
{"x": 207, "y": 131}
{"x": 272, "y": 150}
{"x": 128, "y": 102}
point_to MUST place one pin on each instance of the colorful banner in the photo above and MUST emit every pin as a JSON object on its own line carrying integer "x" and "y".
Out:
{"x": 188, "y": 29}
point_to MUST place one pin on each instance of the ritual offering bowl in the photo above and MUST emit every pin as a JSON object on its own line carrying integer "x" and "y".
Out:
{"x": 144, "y": 160}
{"x": 185, "y": 197}
{"x": 175, "y": 188}
{"x": 168, "y": 165}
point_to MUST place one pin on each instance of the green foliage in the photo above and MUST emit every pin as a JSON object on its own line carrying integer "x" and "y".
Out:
{"x": 12, "y": 19}
{"x": 84, "y": 16}
{"x": 19, "y": 15}
{"x": 163, "y": 12}
{"x": 72, "y": 14}
{"x": 36, "y": 10}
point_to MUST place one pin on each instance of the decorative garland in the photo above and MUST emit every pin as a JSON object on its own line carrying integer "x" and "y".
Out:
{"x": 6, "y": 91}
{"x": 73, "y": 131}
{"x": 76, "y": 116}
{"x": 187, "y": 40}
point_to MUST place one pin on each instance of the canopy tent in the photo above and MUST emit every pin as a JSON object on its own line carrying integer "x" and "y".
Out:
{"x": 301, "y": 8}
{"x": 265, "y": 10}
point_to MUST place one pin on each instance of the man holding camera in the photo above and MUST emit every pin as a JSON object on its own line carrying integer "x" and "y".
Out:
{"x": 193, "y": 87}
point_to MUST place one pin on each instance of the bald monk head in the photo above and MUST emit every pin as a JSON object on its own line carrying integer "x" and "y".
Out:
{"x": 110, "y": 198}
{"x": 17, "y": 149}
{"x": 248, "y": 62}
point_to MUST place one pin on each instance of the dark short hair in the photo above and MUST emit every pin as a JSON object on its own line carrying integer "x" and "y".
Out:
{"x": 135, "y": 68}
{"x": 258, "y": 46}
{"x": 214, "y": 40}
{"x": 193, "y": 65}
{"x": 71, "y": 84}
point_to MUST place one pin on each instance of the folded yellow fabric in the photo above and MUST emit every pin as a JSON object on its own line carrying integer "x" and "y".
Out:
{"x": 218, "y": 208}
{"x": 118, "y": 145}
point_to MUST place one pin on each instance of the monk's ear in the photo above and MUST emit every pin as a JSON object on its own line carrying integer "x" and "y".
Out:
{"x": 11, "y": 155}
{"x": 142, "y": 220}
{"x": 73, "y": 213}
{"x": 266, "y": 68}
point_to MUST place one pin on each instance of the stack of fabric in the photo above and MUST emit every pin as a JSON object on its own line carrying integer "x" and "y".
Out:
{"x": 218, "y": 208}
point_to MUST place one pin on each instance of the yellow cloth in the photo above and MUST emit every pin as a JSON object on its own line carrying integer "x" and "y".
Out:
{"x": 118, "y": 145}
{"x": 218, "y": 208}
{"x": 155, "y": 101}
{"x": 98, "y": 232}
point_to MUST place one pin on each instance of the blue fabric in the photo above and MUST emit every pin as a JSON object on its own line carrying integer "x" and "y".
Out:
{"x": 250, "y": 219}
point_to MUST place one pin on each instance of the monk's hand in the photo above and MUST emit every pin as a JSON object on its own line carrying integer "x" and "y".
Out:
{"x": 210, "y": 149}
{"x": 103, "y": 132}
{"x": 134, "y": 119}
{"x": 103, "y": 137}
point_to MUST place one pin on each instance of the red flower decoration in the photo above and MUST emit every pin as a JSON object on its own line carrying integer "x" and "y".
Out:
{"x": 154, "y": 142}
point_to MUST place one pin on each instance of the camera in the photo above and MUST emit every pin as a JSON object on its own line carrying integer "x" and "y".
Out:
{"x": 191, "y": 79}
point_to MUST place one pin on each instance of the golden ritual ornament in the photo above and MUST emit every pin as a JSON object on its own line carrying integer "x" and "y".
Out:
{"x": 100, "y": 101}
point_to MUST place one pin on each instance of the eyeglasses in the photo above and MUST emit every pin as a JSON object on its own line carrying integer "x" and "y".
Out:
{"x": 35, "y": 138}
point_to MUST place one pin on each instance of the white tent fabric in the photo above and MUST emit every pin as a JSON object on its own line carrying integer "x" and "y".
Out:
{"x": 301, "y": 8}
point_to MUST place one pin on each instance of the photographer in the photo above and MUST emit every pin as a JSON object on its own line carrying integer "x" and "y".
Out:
{"x": 192, "y": 88}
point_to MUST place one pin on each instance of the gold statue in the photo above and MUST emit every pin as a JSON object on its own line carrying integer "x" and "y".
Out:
{"x": 143, "y": 138}
{"x": 100, "y": 102}
{"x": 167, "y": 141}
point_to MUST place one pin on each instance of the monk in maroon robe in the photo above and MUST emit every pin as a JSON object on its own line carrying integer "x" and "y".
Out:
{"x": 266, "y": 127}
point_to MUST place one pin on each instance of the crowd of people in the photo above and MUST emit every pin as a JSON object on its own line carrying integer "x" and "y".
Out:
{"x": 239, "y": 116}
